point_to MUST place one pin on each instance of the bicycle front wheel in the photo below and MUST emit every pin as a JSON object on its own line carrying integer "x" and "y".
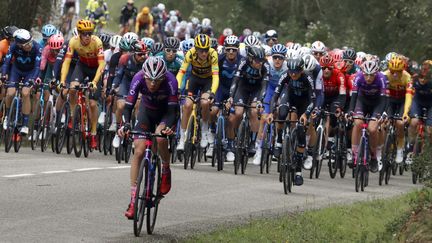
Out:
{"x": 139, "y": 202}
{"x": 46, "y": 127}
{"x": 10, "y": 130}
{"x": 32, "y": 128}
{"x": 77, "y": 133}
{"x": 153, "y": 189}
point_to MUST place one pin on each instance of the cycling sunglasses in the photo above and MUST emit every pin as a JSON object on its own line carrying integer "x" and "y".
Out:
{"x": 86, "y": 33}
{"x": 258, "y": 60}
{"x": 141, "y": 54}
{"x": 327, "y": 67}
{"x": 203, "y": 50}
{"x": 170, "y": 50}
{"x": 278, "y": 57}
{"x": 294, "y": 72}
{"x": 317, "y": 53}
{"x": 272, "y": 39}
{"x": 231, "y": 49}
{"x": 348, "y": 61}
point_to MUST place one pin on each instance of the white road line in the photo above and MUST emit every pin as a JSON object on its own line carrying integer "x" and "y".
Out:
{"x": 119, "y": 167}
{"x": 87, "y": 169}
{"x": 18, "y": 175}
{"x": 55, "y": 171}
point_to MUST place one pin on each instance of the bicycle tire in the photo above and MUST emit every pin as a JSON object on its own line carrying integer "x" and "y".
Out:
{"x": 416, "y": 151}
{"x": 2, "y": 114}
{"x": 189, "y": 145}
{"x": 173, "y": 153}
{"x": 77, "y": 134}
{"x": 152, "y": 209}
{"x": 139, "y": 202}
{"x": 264, "y": 150}
{"x": 36, "y": 114}
{"x": 358, "y": 168}
{"x": 10, "y": 131}
{"x": 287, "y": 178}
{"x": 46, "y": 127}
{"x": 334, "y": 156}
{"x": 243, "y": 153}
{"x": 343, "y": 155}
{"x": 119, "y": 152}
{"x": 387, "y": 174}
{"x": 128, "y": 150}
{"x": 320, "y": 153}
{"x": 401, "y": 168}
{"x": 86, "y": 134}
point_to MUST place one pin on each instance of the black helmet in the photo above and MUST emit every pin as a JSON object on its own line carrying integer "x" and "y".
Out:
{"x": 214, "y": 43}
{"x": 8, "y": 31}
{"x": 350, "y": 54}
{"x": 105, "y": 38}
{"x": 256, "y": 52}
{"x": 172, "y": 43}
{"x": 295, "y": 65}
{"x": 156, "y": 48}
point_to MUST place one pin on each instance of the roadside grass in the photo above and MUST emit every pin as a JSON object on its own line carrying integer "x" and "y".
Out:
{"x": 371, "y": 221}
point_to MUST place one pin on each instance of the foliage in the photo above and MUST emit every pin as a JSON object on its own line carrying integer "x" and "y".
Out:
{"x": 423, "y": 163}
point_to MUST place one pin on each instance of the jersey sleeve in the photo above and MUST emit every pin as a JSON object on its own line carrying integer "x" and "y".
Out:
{"x": 67, "y": 60}
{"x": 101, "y": 61}
{"x": 8, "y": 59}
{"x": 408, "y": 95}
{"x": 184, "y": 67}
{"x": 215, "y": 71}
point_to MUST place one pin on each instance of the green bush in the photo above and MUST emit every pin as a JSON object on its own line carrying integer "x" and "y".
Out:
{"x": 423, "y": 163}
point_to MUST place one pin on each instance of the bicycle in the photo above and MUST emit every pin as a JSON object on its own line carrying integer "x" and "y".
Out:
{"x": 221, "y": 141}
{"x": 406, "y": 148}
{"x": 320, "y": 146}
{"x": 108, "y": 135}
{"x": 12, "y": 134}
{"x": 242, "y": 141}
{"x": 81, "y": 124}
{"x": 389, "y": 151}
{"x": 361, "y": 162}
{"x": 267, "y": 147}
{"x": 338, "y": 154}
{"x": 148, "y": 195}
{"x": 64, "y": 126}
{"x": 417, "y": 173}
{"x": 2, "y": 114}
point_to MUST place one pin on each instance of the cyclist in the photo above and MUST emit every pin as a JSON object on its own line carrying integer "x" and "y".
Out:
{"x": 26, "y": 54}
{"x": 295, "y": 89}
{"x": 318, "y": 49}
{"x": 193, "y": 26}
{"x": 249, "y": 41}
{"x": 90, "y": 65}
{"x": 248, "y": 87}
{"x": 157, "y": 48}
{"x": 422, "y": 85}
{"x": 182, "y": 31}
{"x": 158, "y": 113}
{"x": 228, "y": 64}
{"x": 400, "y": 94}
{"x": 47, "y": 31}
{"x": 205, "y": 28}
{"x": 171, "y": 25}
{"x": 7, "y": 35}
{"x": 368, "y": 97}
{"x": 144, "y": 23}
{"x": 68, "y": 5}
{"x": 270, "y": 38}
{"x": 172, "y": 60}
{"x": 204, "y": 80}
{"x": 128, "y": 14}
{"x": 225, "y": 33}
{"x": 277, "y": 68}
{"x": 96, "y": 10}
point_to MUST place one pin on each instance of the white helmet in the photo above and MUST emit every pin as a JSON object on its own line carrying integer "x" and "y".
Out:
{"x": 114, "y": 41}
{"x": 361, "y": 54}
{"x": 251, "y": 40}
{"x": 173, "y": 19}
{"x": 161, "y": 6}
{"x": 318, "y": 46}
{"x": 131, "y": 36}
{"x": 195, "y": 20}
{"x": 292, "y": 54}
{"x": 309, "y": 62}
{"x": 183, "y": 24}
{"x": 22, "y": 36}
{"x": 370, "y": 67}
{"x": 295, "y": 46}
{"x": 172, "y": 13}
{"x": 206, "y": 22}
{"x": 227, "y": 32}
{"x": 304, "y": 50}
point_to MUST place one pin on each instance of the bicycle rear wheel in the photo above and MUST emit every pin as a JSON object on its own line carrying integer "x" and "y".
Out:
{"x": 343, "y": 159}
{"x": 46, "y": 127}
{"x": 334, "y": 158}
{"x": 77, "y": 134}
{"x": 61, "y": 133}
{"x": 32, "y": 128}
{"x": 154, "y": 191}
{"x": 189, "y": 144}
{"x": 10, "y": 130}
{"x": 319, "y": 152}
{"x": 359, "y": 169}
{"x": 127, "y": 150}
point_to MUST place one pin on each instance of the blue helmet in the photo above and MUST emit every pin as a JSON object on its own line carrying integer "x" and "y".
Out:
{"x": 49, "y": 30}
{"x": 279, "y": 49}
{"x": 148, "y": 42}
{"x": 187, "y": 45}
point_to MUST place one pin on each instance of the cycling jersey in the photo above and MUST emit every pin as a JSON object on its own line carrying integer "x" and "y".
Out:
{"x": 59, "y": 62}
{"x": 144, "y": 21}
{"x": 422, "y": 92}
{"x": 399, "y": 88}
{"x": 174, "y": 65}
{"x": 48, "y": 59}
{"x": 207, "y": 31}
{"x": 372, "y": 95}
{"x": 127, "y": 13}
{"x": 96, "y": 10}
{"x": 24, "y": 61}
{"x": 335, "y": 84}
{"x": 274, "y": 77}
{"x": 127, "y": 69}
{"x": 227, "y": 70}
{"x": 4, "y": 47}
{"x": 91, "y": 56}
{"x": 113, "y": 64}
{"x": 182, "y": 33}
{"x": 201, "y": 68}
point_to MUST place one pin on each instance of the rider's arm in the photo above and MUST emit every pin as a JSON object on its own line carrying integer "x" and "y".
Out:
{"x": 37, "y": 60}
{"x": 137, "y": 23}
{"x": 408, "y": 96}
{"x": 134, "y": 90}
{"x": 8, "y": 59}
{"x": 264, "y": 82}
{"x": 58, "y": 62}
{"x": 317, "y": 87}
{"x": 383, "y": 99}
{"x": 311, "y": 106}
{"x": 66, "y": 63}
{"x": 236, "y": 79}
{"x": 150, "y": 25}
{"x": 214, "y": 70}
{"x": 120, "y": 72}
{"x": 101, "y": 62}
{"x": 354, "y": 93}
{"x": 342, "y": 90}
{"x": 172, "y": 112}
{"x": 183, "y": 68}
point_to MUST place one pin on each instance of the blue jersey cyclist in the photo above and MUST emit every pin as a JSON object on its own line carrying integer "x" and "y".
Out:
{"x": 368, "y": 98}
{"x": 27, "y": 55}
{"x": 172, "y": 59}
{"x": 158, "y": 113}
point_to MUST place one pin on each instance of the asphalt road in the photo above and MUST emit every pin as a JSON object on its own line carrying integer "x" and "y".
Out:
{"x": 60, "y": 198}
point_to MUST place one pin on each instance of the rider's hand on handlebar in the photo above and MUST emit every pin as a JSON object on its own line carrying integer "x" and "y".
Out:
{"x": 303, "y": 119}
{"x": 270, "y": 118}
{"x": 93, "y": 86}
{"x": 229, "y": 102}
{"x": 124, "y": 130}
{"x": 167, "y": 131}
{"x": 405, "y": 118}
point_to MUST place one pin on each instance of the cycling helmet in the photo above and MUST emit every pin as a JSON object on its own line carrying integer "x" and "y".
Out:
{"x": 202, "y": 41}
{"x": 232, "y": 41}
{"x": 114, "y": 41}
{"x": 337, "y": 55}
{"x": 8, "y": 31}
{"x": 195, "y": 20}
{"x": 227, "y": 32}
{"x": 75, "y": 31}
{"x": 396, "y": 64}
{"x": 309, "y": 62}
{"x": 206, "y": 22}
{"x": 295, "y": 65}
{"x": 84, "y": 25}
{"x": 295, "y": 46}
{"x": 390, "y": 55}
{"x": 271, "y": 34}
{"x": 251, "y": 40}
{"x": 172, "y": 43}
{"x": 22, "y": 36}
{"x": 154, "y": 68}
{"x": 173, "y": 19}
{"x": 349, "y": 54}
{"x": 156, "y": 48}
{"x": 361, "y": 55}
{"x": 105, "y": 38}
{"x": 161, "y": 6}
{"x": 370, "y": 67}
{"x": 125, "y": 44}
{"x": 183, "y": 24}
{"x": 256, "y": 52}
{"x": 187, "y": 45}
{"x": 56, "y": 41}
{"x": 292, "y": 54}
{"x": 138, "y": 47}
{"x": 172, "y": 13}
{"x": 304, "y": 51}
{"x": 145, "y": 10}
{"x": 148, "y": 41}
{"x": 214, "y": 43}
{"x": 318, "y": 46}
{"x": 327, "y": 61}
{"x": 131, "y": 36}
{"x": 48, "y": 30}
{"x": 257, "y": 34}
{"x": 247, "y": 32}
{"x": 358, "y": 61}
{"x": 278, "y": 49}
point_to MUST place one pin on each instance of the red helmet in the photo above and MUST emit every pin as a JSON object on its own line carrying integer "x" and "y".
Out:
{"x": 337, "y": 55}
{"x": 56, "y": 41}
{"x": 358, "y": 61}
{"x": 327, "y": 61}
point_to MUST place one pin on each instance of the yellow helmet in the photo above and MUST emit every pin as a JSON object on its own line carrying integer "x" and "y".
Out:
{"x": 84, "y": 25}
{"x": 202, "y": 41}
{"x": 396, "y": 63}
{"x": 145, "y": 10}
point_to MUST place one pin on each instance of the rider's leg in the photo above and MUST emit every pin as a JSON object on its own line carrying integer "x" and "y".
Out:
{"x": 26, "y": 105}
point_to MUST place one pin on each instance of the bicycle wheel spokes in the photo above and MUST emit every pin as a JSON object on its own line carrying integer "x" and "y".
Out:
{"x": 140, "y": 199}
{"x": 153, "y": 189}
{"x": 77, "y": 133}
{"x": 286, "y": 164}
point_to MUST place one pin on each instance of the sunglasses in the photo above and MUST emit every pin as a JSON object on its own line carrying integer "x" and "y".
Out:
{"x": 202, "y": 50}
{"x": 278, "y": 57}
{"x": 170, "y": 50}
{"x": 86, "y": 33}
{"x": 294, "y": 72}
{"x": 141, "y": 54}
{"x": 395, "y": 72}
{"x": 329, "y": 68}
{"x": 369, "y": 74}
{"x": 231, "y": 49}
{"x": 25, "y": 44}
{"x": 154, "y": 81}
{"x": 348, "y": 61}
{"x": 258, "y": 61}
{"x": 317, "y": 53}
